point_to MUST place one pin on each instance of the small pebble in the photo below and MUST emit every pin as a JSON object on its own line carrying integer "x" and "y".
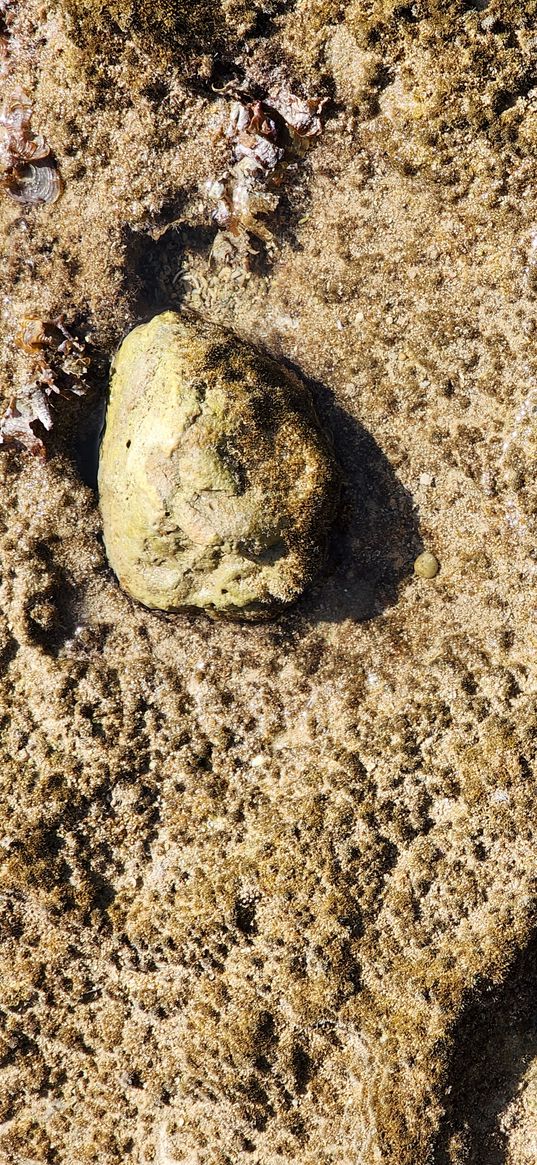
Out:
{"x": 426, "y": 565}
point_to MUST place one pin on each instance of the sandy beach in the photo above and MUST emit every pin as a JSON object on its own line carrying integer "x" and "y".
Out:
{"x": 268, "y": 891}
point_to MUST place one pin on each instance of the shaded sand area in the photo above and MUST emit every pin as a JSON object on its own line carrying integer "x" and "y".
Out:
{"x": 268, "y": 891}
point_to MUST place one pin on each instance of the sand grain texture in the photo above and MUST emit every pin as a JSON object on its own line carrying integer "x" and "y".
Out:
{"x": 260, "y": 885}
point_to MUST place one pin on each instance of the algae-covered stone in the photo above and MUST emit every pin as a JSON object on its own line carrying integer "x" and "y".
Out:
{"x": 426, "y": 565}
{"x": 216, "y": 485}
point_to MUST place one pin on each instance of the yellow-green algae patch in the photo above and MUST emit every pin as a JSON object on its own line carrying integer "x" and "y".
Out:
{"x": 101, "y": 28}
{"x": 216, "y": 486}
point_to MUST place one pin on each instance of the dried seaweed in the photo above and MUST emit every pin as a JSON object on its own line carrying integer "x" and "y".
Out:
{"x": 29, "y": 172}
{"x": 265, "y": 136}
{"x": 60, "y": 368}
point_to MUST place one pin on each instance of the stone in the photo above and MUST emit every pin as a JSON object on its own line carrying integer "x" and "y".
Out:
{"x": 216, "y": 484}
{"x": 426, "y": 565}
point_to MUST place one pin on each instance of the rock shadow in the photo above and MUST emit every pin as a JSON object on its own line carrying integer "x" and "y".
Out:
{"x": 50, "y": 612}
{"x": 375, "y": 538}
{"x": 154, "y": 264}
{"x": 495, "y": 1041}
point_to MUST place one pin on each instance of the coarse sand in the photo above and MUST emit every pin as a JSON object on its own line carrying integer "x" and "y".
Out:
{"x": 268, "y": 892}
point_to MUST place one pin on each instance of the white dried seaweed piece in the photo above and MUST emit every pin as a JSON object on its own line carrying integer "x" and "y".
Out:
{"x": 239, "y": 118}
{"x": 28, "y": 406}
{"x": 219, "y": 191}
{"x": 34, "y": 405}
{"x": 254, "y": 134}
{"x": 39, "y": 181}
{"x": 18, "y": 145}
{"x": 241, "y": 197}
{"x": 222, "y": 216}
{"x": 247, "y": 184}
{"x": 260, "y": 150}
{"x": 16, "y": 424}
{"x": 301, "y": 115}
{"x": 14, "y": 427}
{"x": 16, "y": 112}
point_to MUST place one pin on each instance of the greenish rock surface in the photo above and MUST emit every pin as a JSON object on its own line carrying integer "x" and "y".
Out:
{"x": 426, "y": 565}
{"x": 216, "y": 486}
